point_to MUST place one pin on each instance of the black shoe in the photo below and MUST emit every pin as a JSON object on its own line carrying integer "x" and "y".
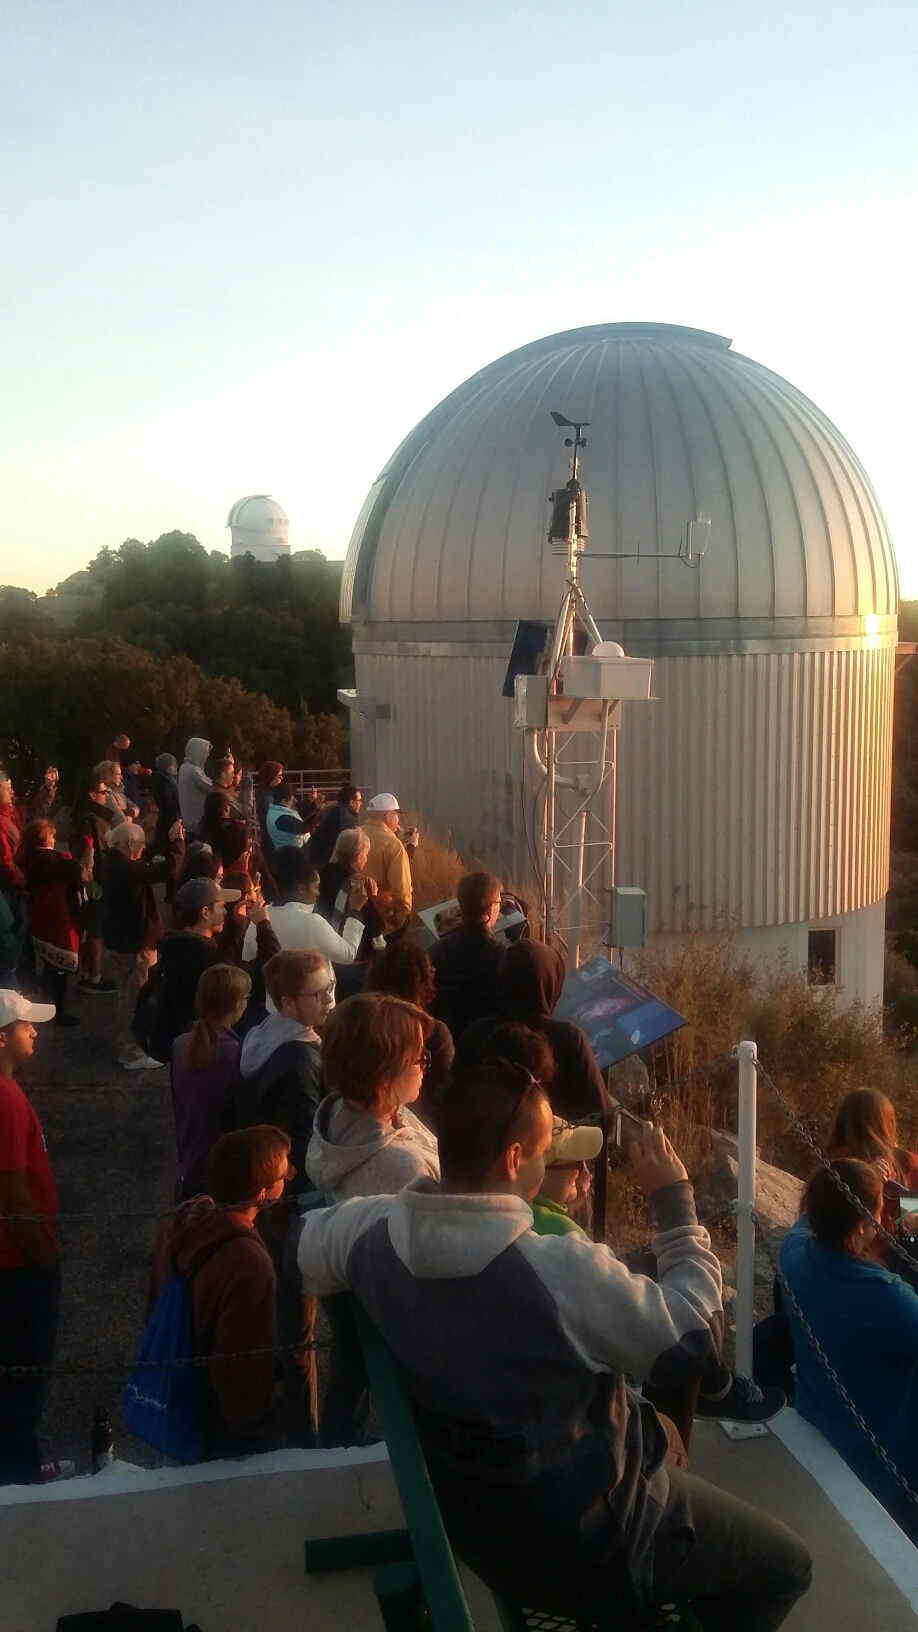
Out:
{"x": 744, "y": 1401}
{"x": 84, "y": 984}
{"x": 66, "y": 1020}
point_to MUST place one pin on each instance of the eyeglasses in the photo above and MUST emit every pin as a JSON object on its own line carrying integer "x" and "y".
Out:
{"x": 526, "y": 1085}
{"x": 423, "y": 1059}
{"x": 321, "y": 991}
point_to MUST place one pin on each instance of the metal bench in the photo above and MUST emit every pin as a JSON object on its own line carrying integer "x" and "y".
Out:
{"x": 417, "y": 1584}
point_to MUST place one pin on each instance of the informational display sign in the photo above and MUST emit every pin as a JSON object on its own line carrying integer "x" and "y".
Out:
{"x": 618, "y": 1015}
{"x": 445, "y": 916}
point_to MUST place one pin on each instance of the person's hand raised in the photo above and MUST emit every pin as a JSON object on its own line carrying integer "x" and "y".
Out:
{"x": 177, "y": 831}
{"x": 654, "y": 1162}
{"x": 359, "y": 895}
{"x": 257, "y": 910}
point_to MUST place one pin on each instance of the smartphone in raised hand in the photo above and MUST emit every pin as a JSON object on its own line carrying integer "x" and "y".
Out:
{"x": 626, "y": 1128}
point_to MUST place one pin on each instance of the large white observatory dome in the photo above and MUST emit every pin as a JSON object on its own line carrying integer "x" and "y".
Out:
{"x": 455, "y": 526}
{"x": 258, "y": 527}
{"x": 755, "y": 792}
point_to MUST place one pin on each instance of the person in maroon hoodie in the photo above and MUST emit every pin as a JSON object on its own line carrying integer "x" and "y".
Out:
{"x": 54, "y": 883}
{"x": 214, "y": 1244}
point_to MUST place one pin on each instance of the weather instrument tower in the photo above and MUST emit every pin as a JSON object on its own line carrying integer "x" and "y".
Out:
{"x": 570, "y": 711}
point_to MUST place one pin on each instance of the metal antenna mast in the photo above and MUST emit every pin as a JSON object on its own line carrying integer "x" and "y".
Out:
{"x": 571, "y": 714}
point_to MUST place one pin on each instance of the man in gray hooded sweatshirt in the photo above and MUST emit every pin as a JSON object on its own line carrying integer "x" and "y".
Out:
{"x": 280, "y": 1084}
{"x": 515, "y": 1349}
{"x": 193, "y": 783}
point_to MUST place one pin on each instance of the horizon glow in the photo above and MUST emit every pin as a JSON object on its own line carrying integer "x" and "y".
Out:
{"x": 252, "y": 247}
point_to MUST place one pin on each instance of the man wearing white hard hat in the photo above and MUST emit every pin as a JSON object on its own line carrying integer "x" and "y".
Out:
{"x": 30, "y": 1286}
{"x": 388, "y": 860}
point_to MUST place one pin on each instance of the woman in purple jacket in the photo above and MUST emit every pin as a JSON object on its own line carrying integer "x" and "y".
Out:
{"x": 205, "y": 1064}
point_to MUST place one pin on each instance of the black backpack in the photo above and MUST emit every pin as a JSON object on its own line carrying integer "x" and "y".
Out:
{"x": 151, "y": 1024}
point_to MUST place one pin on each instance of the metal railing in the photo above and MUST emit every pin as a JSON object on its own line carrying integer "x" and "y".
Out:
{"x": 326, "y": 781}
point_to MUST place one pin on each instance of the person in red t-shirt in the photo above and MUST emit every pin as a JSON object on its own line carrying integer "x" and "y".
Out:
{"x": 30, "y": 1286}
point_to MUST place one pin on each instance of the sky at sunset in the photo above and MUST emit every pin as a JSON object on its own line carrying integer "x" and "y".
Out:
{"x": 249, "y": 243}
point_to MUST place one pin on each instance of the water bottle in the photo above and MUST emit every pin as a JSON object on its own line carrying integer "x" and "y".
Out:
{"x": 102, "y": 1440}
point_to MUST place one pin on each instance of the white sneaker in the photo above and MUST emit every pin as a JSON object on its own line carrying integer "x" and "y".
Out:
{"x": 145, "y": 1063}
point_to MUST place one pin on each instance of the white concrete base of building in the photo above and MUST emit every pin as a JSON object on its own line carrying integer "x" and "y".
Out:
{"x": 859, "y": 941}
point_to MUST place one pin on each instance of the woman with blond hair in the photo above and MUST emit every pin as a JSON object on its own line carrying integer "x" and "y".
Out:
{"x": 205, "y": 1065}
{"x": 348, "y": 861}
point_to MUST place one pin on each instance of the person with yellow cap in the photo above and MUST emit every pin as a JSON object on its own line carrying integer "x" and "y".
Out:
{"x": 565, "y": 1165}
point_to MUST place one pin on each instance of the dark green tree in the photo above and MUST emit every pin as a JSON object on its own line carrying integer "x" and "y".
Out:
{"x": 62, "y": 699}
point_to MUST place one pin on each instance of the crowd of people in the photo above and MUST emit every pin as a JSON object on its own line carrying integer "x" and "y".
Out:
{"x": 317, "y": 1052}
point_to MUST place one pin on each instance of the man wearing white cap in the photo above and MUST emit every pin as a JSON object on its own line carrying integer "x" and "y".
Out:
{"x": 388, "y": 861}
{"x": 30, "y": 1285}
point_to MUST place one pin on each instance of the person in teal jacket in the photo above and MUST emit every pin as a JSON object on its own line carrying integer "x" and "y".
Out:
{"x": 866, "y": 1321}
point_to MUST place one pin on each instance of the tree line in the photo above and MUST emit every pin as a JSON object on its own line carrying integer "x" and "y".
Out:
{"x": 166, "y": 640}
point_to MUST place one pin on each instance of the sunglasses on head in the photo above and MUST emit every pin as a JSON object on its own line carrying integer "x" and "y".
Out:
{"x": 524, "y": 1088}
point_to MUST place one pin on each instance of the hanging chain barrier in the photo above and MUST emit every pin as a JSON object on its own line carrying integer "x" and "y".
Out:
{"x": 656, "y": 1093}
{"x": 790, "y": 1298}
{"x": 829, "y": 1371}
{"x": 806, "y": 1138}
{"x": 186, "y": 1209}
{"x": 125, "y": 1368}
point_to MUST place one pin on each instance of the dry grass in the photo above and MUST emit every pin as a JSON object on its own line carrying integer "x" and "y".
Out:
{"x": 435, "y": 870}
{"x": 813, "y": 1047}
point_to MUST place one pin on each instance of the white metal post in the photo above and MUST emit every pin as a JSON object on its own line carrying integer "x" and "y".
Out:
{"x": 745, "y": 1208}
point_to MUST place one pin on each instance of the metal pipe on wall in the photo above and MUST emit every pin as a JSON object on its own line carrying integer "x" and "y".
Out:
{"x": 746, "y": 1055}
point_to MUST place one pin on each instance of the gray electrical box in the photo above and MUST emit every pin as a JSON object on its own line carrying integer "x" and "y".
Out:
{"x": 628, "y": 927}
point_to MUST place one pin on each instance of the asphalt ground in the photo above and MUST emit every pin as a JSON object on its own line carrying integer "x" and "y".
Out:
{"x": 111, "y": 1140}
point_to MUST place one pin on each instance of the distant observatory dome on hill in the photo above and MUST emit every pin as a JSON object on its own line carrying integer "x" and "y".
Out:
{"x": 258, "y": 527}
{"x": 754, "y": 794}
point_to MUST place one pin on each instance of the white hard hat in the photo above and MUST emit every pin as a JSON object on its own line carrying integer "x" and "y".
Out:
{"x": 384, "y": 801}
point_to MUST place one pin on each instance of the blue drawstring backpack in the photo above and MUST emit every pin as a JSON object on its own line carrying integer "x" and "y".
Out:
{"x": 164, "y": 1406}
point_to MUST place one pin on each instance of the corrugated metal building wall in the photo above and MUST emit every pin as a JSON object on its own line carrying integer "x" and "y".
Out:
{"x": 755, "y": 791}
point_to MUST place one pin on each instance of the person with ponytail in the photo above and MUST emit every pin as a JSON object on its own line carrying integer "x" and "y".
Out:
{"x": 865, "y": 1320}
{"x": 205, "y": 1064}
{"x": 865, "y": 1130}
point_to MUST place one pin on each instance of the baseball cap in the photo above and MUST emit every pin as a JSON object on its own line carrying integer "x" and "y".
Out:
{"x": 384, "y": 801}
{"x": 199, "y": 893}
{"x": 13, "y": 1007}
{"x": 572, "y": 1144}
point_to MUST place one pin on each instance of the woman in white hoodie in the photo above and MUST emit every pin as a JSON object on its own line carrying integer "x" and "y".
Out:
{"x": 365, "y": 1141}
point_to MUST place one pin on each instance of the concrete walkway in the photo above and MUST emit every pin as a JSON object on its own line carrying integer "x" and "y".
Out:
{"x": 224, "y": 1543}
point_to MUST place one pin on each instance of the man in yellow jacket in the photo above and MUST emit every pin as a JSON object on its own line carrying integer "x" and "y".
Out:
{"x": 388, "y": 861}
